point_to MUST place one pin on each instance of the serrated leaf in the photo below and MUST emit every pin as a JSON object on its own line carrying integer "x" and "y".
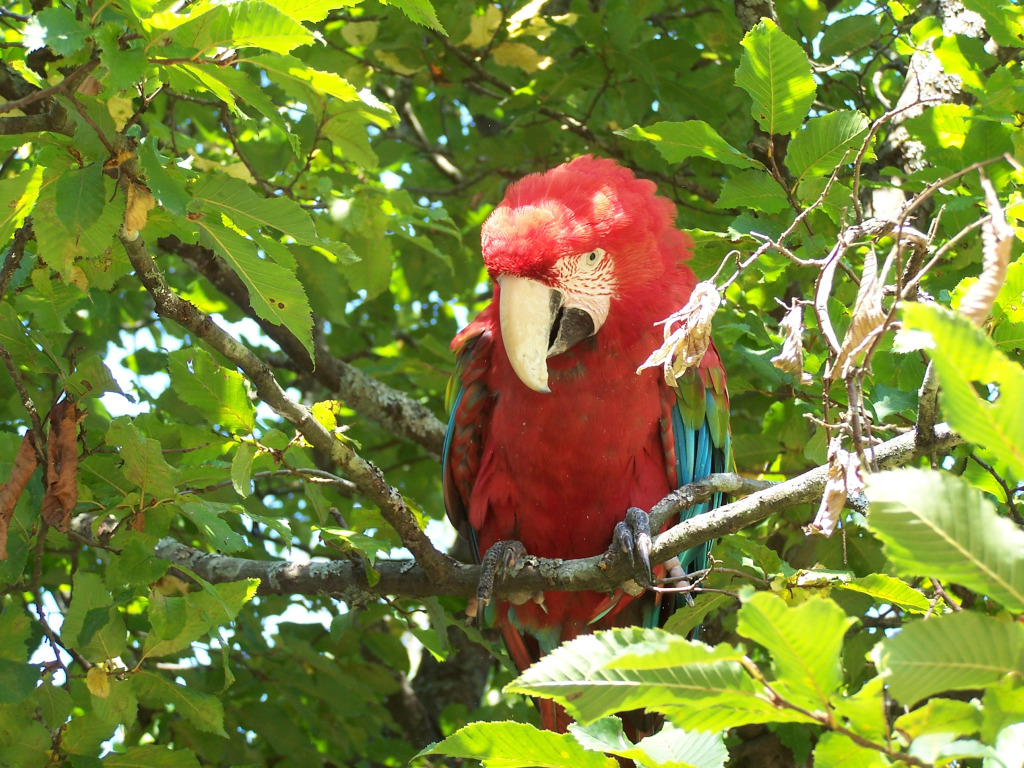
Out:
{"x": 935, "y": 524}
{"x": 143, "y": 459}
{"x": 178, "y": 621}
{"x": 274, "y": 292}
{"x": 204, "y": 711}
{"x": 775, "y": 72}
{"x": 243, "y": 24}
{"x": 753, "y": 189}
{"x": 17, "y": 198}
{"x": 962, "y": 355}
{"x": 241, "y": 469}
{"x": 420, "y": 11}
{"x": 1002, "y": 21}
{"x": 517, "y": 745}
{"x": 834, "y": 750}
{"x": 219, "y": 193}
{"x": 693, "y": 138}
{"x": 670, "y": 747}
{"x": 687, "y": 617}
{"x": 65, "y": 34}
{"x": 958, "y": 718}
{"x": 95, "y": 640}
{"x": 219, "y": 393}
{"x": 151, "y": 756}
{"x": 206, "y": 516}
{"x": 805, "y": 642}
{"x": 136, "y": 565}
{"x": 80, "y": 197}
{"x": 17, "y": 680}
{"x": 886, "y": 589}
{"x": 956, "y": 651}
{"x": 825, "y": 142}
{"x": 849, "y": 34}
{"x": 597, "y": 675}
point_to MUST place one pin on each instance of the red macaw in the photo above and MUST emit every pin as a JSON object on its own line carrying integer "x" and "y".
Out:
{"x": 553, "y": 434}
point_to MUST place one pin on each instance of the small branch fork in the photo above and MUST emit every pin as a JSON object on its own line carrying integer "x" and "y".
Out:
{"x": 368, "y": 479}
{"x": 411, "y": 578}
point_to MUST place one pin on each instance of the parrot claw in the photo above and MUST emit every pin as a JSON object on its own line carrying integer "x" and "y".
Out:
{"x": 632, "y": 538}
{"x": 503, "y": 558}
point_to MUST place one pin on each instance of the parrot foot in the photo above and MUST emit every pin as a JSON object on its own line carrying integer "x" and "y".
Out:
{"x": 503, "y": 558}
{"x": 632, "y": 539}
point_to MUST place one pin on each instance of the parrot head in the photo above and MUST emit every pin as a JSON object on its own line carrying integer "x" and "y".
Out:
{"x": 573, "y": 250}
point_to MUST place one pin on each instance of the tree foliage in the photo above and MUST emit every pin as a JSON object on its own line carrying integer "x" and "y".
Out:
{"x": 237, "y": 238}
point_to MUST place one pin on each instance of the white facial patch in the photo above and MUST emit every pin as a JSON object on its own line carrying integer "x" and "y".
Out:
{"x": 587, "y": 282}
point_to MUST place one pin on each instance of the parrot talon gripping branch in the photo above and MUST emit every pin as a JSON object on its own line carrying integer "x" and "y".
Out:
{"x": 556, "y": 439}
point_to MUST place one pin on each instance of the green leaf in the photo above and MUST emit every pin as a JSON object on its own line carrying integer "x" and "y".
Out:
{"x": 834, "y": 750}
{"x": 597, "y": 675}
{"x": 65, "y": 34}
{"x": 93, "y": 626}
{"x": 515, "y": 745}
{"x": 686, "y": 618}
{"x": 206, "y": 516}
{"x": 91, "y": 378}
{"x": 670, "y": 747}
{"x": 1002, "y": 21}
{"x": 852, "y": 33}
{"x": 219, "y": 393}
{"x": 310, "y": 10}
{"x": 151, "y": 756}
{"x": 136, "y": 565}
{"x": 274, "y": 292}
{"x": 775, "y": 72}
{"x": 805, "y": 642}
{"x": 15, "y": 629}
{"x": 17, "y": 198}
{"x": 753, "y": 189}
{"x": 958, "y": 718}
{"x": 244, "y": 24}
{"x": 143, "y": 459}
{"x": 956, "y": 651}
{"x": 204, "y": 711}
{"x": 55, "y": 704}
{"x": 935, "y": 524}
{"x": 886, "y": 589}
{"x": 17, "y": 681}
{"x": 825, "y": 142}
{"x": 693, "y": 138}
{"x": 963, "y": 355}
{"x": 420, "y": 11}
{"x": 241, "y": 469}
{"x": 178, "y": 621}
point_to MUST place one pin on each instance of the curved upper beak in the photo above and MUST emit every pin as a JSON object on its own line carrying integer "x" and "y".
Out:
{"x": 536, "y": 325}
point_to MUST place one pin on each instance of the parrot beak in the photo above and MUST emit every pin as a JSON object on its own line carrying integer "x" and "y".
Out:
{"x": 535, "y": 326}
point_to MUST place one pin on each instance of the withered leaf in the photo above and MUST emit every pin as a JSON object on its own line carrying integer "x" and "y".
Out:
{"x": 685, "y": 346}
{"x": 996, "y": 244}
{"x": 61, "y": 493}
{"x": 140, "y": 202}
{"x": 25, "y": 464}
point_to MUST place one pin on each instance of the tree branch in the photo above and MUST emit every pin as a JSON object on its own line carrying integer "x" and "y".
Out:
{"x": 393, "y": 410}
{"x": 369, "y": 480}
{"x": 406, "y": 578}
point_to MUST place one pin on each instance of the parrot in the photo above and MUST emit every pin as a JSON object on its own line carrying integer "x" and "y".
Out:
{"x": 553, "y": 433}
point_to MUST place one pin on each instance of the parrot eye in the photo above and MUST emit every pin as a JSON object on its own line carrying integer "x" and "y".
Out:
{"x": 592, "y": 259}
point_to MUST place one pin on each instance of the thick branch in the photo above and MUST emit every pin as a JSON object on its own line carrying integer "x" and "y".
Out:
{"x": 368, "y": 478}
{"x": 405, "y": 578}
{"x": 395, "y": 411}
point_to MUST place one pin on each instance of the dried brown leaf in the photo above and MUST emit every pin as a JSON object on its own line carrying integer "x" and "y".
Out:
{"x": 61, "y": 493}
{"x": 791, "y": 358}
{"x": 843, "y": 480}
{"x": 996, "y": 244}
{"x": 685, "y": 346}
{"x": 25, "y": 464}
{"x": 868, "y": 317}
{"x": 139, "y": 203}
